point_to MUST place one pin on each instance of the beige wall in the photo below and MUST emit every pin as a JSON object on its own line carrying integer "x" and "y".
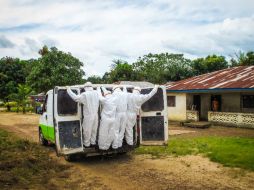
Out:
{"x": 178, "y": 113}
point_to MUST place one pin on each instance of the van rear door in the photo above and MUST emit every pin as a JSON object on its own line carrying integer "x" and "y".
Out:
{"x": 67, "y": 116}
{"x": 154, "y": 118}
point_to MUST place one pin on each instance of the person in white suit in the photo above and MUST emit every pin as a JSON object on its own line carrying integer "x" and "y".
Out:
{"x": 121, "y": 111}
{"x": 135, "y": 101}
{"x": 108, "y": 118}
{"x": 90, "y": 101}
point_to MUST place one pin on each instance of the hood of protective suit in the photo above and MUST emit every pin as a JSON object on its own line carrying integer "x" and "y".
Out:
{"x": 117, "y": 89}
{"x": 136, "y": 90}
{"x": 88, "y": 86}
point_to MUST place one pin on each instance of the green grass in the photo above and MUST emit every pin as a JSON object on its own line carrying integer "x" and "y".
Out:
{"x": 229, "y": 151}
{"x": 27, "y": 165}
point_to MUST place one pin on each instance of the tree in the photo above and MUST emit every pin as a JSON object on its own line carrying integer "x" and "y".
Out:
{"x": 12, "y": 73}
{"x": 106, "y": 78}
{"x": 43, "y": 51}
{"x": 95, "y": 79}
{"x": 21, "y": 97}
{"x": 209, "y": 64}
{"x": 160, "y": 68}
{"x": 120, "y": 71}
{"x": 242, "y": 59}
{"x": 55, "y": 68}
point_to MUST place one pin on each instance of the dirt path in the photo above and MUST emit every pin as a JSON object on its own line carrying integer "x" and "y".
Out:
{"x": 138, "y": 172}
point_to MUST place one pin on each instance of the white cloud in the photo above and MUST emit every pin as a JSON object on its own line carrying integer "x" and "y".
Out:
{"x": 99, "y": 31}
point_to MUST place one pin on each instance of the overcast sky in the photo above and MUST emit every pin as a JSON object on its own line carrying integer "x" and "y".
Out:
{"x": 98, "y": 31}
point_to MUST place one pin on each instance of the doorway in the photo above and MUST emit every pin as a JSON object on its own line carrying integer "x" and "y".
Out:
{"x": 197, "y": 103}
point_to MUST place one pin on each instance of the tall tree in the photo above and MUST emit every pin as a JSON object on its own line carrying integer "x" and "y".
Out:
{"x": 55, "y": 68}
{"x": 21, "y": 97}
{"x": 12, "y": 73}
{"x": 95, "y": 79}
{"x": 209, "y": 64}
{"x": 121, "y": 71}
{"x": 160, "y": 68}
{"x": 44, "y": 50}
{"x": 243, "y": 59}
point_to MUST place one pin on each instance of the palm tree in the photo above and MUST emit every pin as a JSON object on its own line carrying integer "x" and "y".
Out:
{"x": 21, "y": 96}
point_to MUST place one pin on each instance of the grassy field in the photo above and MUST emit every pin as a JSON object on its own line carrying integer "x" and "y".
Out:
{"x": 229, "y": 151}
{"x": 27, "y": 165}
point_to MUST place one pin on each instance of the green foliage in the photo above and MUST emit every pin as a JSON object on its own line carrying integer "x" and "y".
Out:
{"x": 26, "y": 165}
{"x": 229, "y": 151}
{"x": 27, "y": 109}
{"x": 11, "y": 104}
{"x": 121, "y": 71}
{"x": 43, "y": 51}
{"x": 12, "y": 73}
{"x": 55, "y": 68}
{"x": 21, "y": 97}
{"x": 160, "y": 68}
{"x": 95, "y": 79}
{"x": 242, "y": 59}
{"x": 209, "y": 64}
{"x": 106, "y": 78}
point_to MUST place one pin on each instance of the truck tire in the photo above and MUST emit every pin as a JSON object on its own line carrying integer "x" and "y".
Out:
{"x": 70, "y": 157}
{"x": 42, "y": 140}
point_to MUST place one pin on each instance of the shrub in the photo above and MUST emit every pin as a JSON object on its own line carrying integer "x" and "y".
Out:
{"x": 14, "y": 109}
{"x": 11, "y": 104}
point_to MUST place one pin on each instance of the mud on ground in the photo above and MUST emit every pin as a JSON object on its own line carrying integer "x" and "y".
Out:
{"x": 141, "y": 171}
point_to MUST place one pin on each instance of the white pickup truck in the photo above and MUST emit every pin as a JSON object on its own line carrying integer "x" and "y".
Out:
{"x": 60, "y": 122}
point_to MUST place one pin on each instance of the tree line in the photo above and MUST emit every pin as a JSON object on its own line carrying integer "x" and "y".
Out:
{"x": 165, "y": 67}
{"x": 19, "y": 78}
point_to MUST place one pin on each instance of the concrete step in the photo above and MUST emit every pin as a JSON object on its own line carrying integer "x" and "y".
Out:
{"x": 197, "y": 124}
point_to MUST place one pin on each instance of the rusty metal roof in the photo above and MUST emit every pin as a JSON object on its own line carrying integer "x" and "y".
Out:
{"x": 241, "y": 77}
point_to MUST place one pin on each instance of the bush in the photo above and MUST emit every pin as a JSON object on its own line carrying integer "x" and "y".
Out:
{"x": 11, "y": 104}
{"x": 28, "y": 109}
{"x": 1, "y": 104}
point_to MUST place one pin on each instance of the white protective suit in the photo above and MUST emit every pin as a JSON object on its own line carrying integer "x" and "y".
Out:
{"x": 108, "y": 119}
{"x": 121, "y": 117}
{"x": 90, "y": 101}
{"x": 135, "y": 101}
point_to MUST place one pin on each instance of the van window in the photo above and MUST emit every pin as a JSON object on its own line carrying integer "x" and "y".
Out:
{"x": 156, "y": 103}
{"x": 65, "y": 105}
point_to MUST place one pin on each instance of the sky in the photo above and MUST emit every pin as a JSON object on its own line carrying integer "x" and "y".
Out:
{"x": 100, "y": 31}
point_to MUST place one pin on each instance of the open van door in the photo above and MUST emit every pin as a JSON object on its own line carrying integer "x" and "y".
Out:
{"x": 154, "y": 118}
{"x": 67, "y": 116}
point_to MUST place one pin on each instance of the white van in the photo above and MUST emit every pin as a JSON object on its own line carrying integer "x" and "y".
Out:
{"x": 60, "y": 122}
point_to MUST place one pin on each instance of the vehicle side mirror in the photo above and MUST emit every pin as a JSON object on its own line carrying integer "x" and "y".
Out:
{"x": 39, "y": 110}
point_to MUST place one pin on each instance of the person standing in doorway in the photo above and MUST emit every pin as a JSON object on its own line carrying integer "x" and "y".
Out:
{"x": 215, "y": 105}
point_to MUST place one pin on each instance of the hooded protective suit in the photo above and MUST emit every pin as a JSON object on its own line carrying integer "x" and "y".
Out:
{"x": 135, "y": 101}
{"x": 121, "y": 111}
{"x": 108, "y": 119}
{"x": 90, "y": 100}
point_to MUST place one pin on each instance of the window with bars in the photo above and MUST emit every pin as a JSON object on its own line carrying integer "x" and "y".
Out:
{"x": 247, "y": 101}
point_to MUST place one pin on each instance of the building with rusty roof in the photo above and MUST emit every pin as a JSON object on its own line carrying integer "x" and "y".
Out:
{"x": 225, "y": 96}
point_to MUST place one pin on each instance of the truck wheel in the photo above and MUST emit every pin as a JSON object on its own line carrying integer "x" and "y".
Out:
{"x": 70, "y": 157}
{"x": 42, "y": 140}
